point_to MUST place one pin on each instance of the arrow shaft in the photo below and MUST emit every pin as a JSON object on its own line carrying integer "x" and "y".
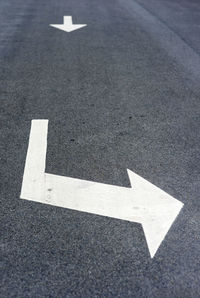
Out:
{"x": 92, "y": 197}
{"x": 67, "y": 20}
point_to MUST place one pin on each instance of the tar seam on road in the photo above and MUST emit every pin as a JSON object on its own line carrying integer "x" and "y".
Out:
{"x": 175, "y": 46}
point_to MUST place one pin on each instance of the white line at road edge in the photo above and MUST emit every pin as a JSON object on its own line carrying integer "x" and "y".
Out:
{"x": 143, "y": 203}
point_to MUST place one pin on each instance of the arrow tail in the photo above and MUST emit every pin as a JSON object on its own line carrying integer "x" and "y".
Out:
{"x": 33, "y": 179}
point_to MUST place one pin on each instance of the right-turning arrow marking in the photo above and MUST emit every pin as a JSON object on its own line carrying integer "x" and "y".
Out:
{"x": 143, "y": 203}
{"x": 68, "y": 25}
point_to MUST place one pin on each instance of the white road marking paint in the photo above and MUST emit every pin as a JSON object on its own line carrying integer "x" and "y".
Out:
{"x": 143, "y": 203}
{"x": 67, "y": 25}
{"x": 35, "y": 160}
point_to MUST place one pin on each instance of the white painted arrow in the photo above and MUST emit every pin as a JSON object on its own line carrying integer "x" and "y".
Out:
{"x": 67, "y": 25}
{"x": 143, "y": 203}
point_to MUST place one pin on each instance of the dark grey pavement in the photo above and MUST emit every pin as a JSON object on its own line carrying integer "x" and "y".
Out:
{"x": 121, "y": 93}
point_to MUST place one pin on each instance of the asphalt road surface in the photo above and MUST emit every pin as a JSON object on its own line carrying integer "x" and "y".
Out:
{"x": 122, "y": 93}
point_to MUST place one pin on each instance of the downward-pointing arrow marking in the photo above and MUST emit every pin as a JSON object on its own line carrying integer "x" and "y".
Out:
{"x": 142, "y": 203}
{"x": 67, "y": 25}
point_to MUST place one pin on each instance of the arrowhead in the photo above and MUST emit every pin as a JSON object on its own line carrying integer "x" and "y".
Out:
{"x": 159, "y": 210}
{"x": 67, "y": 25}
